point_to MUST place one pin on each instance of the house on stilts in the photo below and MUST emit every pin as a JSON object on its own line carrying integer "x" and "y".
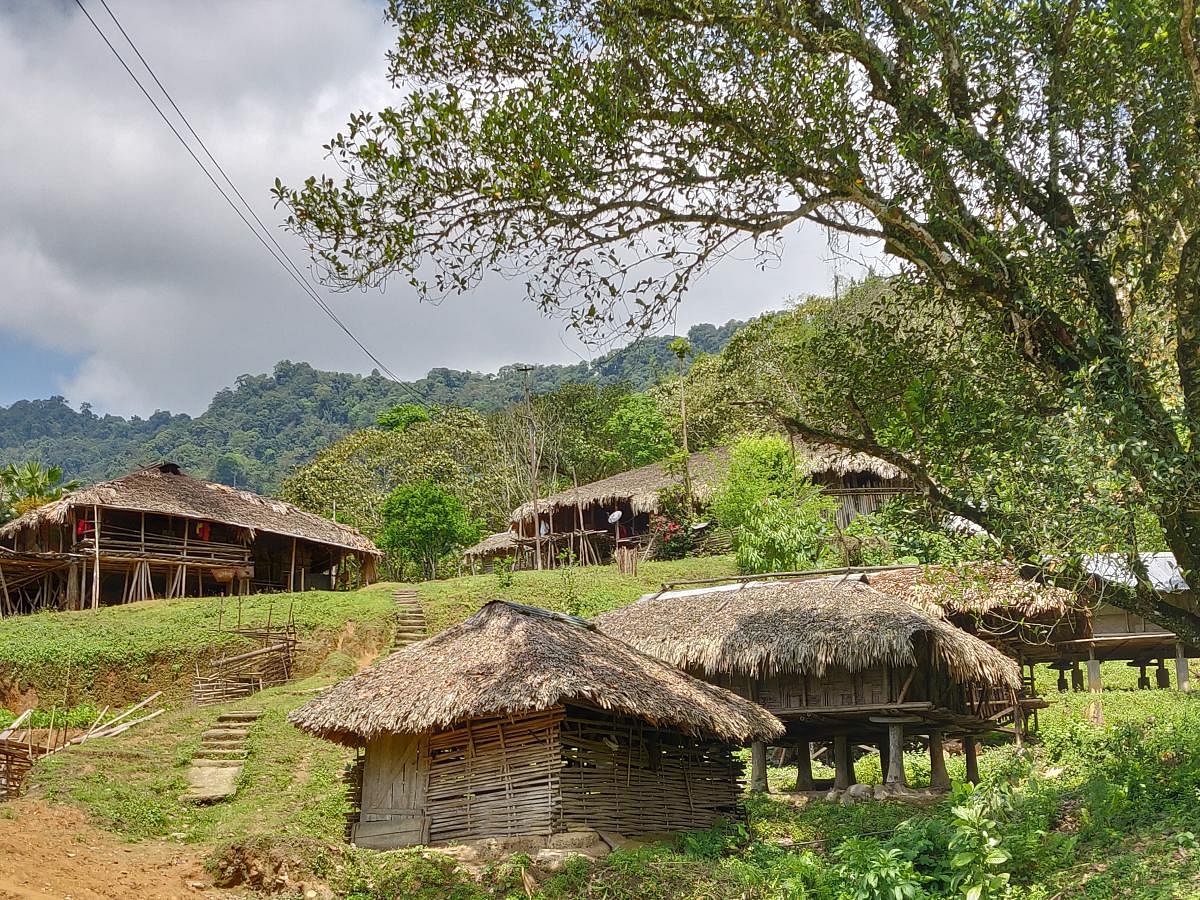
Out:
{"x": 590, "y": 521}
{"x": 158, "y": 532}
{"x": 521, "y": 722}
{"x": 837, "y": 662}
{"x": 1034, "y": 622}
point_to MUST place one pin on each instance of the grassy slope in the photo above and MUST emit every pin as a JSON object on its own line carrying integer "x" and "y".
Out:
{"x": 1116, "y": 819}
{"x": 119, "y": 653}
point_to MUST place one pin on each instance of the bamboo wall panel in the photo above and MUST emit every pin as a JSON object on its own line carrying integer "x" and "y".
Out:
{"x": 495, "y": 777}
{"x": 620, "y": 774}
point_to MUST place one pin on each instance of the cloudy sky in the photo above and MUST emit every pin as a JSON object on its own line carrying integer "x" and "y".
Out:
{"x": 125, "y": 280}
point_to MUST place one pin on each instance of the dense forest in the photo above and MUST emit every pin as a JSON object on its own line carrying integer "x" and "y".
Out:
{"x": 255, "y": 432}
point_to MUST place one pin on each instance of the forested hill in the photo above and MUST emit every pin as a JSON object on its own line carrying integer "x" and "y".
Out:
{"x": 253, "y": 433}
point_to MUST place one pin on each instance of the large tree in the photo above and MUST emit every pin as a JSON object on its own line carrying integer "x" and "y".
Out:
{"x": 1033, "y": 162}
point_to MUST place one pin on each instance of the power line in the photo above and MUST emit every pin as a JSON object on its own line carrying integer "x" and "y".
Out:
{"x": 273, "y": 248}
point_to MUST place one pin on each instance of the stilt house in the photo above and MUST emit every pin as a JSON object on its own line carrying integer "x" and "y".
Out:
{"x": 524, "y": 722}
{"x": 834, "y": 660}
{"x": 482, "y": 557}
{"x": 160, "y": 533}
{"x": 1035, "y": 622}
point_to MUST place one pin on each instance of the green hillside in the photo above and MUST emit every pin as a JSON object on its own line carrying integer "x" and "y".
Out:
{"x": 1084, "y": 812}
{"x": 256, "y": 431}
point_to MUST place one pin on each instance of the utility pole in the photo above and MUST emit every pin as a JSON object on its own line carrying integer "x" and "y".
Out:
{"x": 681, "y": 349}
{"x": 533, "y": 468}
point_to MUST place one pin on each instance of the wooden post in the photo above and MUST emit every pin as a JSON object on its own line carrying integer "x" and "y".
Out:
{"x": 804, "y": 775}
{"x": 1162, "y": 678}
{"x": 4, "y": 587}
{"x": 292, "y": 570}
{"x": 758, "y": 767}
{"x": 96, "y": 568}
{"x": 895, "y": 770}
{"x": 1076, "y": 676}
{"x": 939, "y": 778}
{"x": 1182, "y": 676}
{"x": 883, "y": 759}
{"x": 843, "y": 764}
{"x": 1095, "y": 710}
{"x": 971, "y": 754}
{"x": 72, "y": 586}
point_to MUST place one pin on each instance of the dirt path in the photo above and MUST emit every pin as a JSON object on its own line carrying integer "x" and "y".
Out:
{"x": 52, "y": 851}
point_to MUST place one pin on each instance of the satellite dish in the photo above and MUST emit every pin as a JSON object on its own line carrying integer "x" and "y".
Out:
{"x": 614, "y": 518}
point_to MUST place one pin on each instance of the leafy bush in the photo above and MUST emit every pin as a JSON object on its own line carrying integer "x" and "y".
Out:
{"x": 906, "y": 530}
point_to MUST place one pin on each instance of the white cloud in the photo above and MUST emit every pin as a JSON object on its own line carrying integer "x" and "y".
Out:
{"x": 117, "y": 251}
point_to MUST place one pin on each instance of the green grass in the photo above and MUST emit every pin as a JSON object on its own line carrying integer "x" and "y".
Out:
{"x": 584, "y": 591}
{"x": 120, "y": 653}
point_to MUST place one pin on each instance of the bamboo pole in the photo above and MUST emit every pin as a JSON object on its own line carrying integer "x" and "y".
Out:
{"x": 292, "y": 570}
{"x": 96, "y": 547}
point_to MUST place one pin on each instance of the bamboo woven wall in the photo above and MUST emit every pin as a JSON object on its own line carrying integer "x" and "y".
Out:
{"x": 495, "y": 777}
{"x": 620, "y": 774}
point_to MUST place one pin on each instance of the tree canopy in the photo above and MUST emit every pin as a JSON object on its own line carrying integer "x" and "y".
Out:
{"x": 1029, "y": 169}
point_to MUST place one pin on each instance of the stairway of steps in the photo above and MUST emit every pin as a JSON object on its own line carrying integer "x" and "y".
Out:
{"x": 410, "y": 619}
{"x": 218, "y": 763}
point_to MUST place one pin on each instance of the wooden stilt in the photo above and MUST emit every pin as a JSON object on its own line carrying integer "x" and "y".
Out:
{"x": 758, "y": 767}
{"x": 1162, "y": 678}
{"x": 804, "y": 775}
{"x": 895, "y": 770}
{"x": 843, "y": 763}
{"x": 1182, "y": 675}
{"x": 971, "y": 755}
{"x": 96, "y": 569}
{"x": 939, "y": 778}
{"x": 292, "y": 570}
{"x": 8, "y": 607}
{"x": 1095, "y": 687}
{"x": 884, "y": 756}
{"x": 1076, "y": 677}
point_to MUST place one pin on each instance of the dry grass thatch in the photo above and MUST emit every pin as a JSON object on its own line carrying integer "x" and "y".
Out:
{"x": 637, "y": 487}
{"x": 500, "y": 542}
{"x": 759, "y": 629}
{"x": 978, "y": 590}
{"x": 817, "y": 459}
{"x": 509, "y": 659}
{"x": 165, "y": 490}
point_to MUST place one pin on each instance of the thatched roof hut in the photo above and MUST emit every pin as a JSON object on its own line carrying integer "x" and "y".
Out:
{"x": 165, "y": 490}
{"x": 835, "y": 660}
{"x": 524, "y": 721}
{"x": 510, "y": 659}
{"x": 762, "y": 629}
{"x": 160, "y": 533}
{"x": 483, "y": 556}
{"x": 1028, "y": 620}
{"x": 637, "y": 489}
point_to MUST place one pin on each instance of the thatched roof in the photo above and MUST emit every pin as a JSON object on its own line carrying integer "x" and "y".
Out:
{"x": 637, "y": 487}
{"x": 509, "y": 659}
{"x": 816, "y": 459}
{"x": 763, "y": 628}
{"x": 978, "y": 589}
{"x": 500, "y": 542}
{"x": 165, "y": 490}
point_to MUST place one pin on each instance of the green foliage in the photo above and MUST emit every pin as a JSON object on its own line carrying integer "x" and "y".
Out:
{"x": 781, "y": 520}
{"x": 399, "y": 418}
{"x": 760, "y": 467}
{"x": 502, "y": 568}
{"x": 787, "y": 535}
{"x": 28, "y": 486}
{"x": 638, "y": 432}
{"x": 264, "y": 426}
{"x": 424, "y": 522}
{"x": 906, "y": 530}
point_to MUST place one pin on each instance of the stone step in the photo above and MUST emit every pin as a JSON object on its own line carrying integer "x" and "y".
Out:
{"x": 247, "y": 715}
{"x": 223, "y": 744}
{"x": 227, "y": 734}
{"x": 223, "y": 752}
{"x": 206, "y": 762}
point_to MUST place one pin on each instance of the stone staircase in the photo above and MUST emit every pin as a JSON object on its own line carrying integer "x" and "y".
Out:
{"x": 218, "y": 763}
{"x": 410, "y": 620}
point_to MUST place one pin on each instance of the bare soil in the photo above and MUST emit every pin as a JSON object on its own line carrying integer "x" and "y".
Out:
{"x": 52, "y": 851}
